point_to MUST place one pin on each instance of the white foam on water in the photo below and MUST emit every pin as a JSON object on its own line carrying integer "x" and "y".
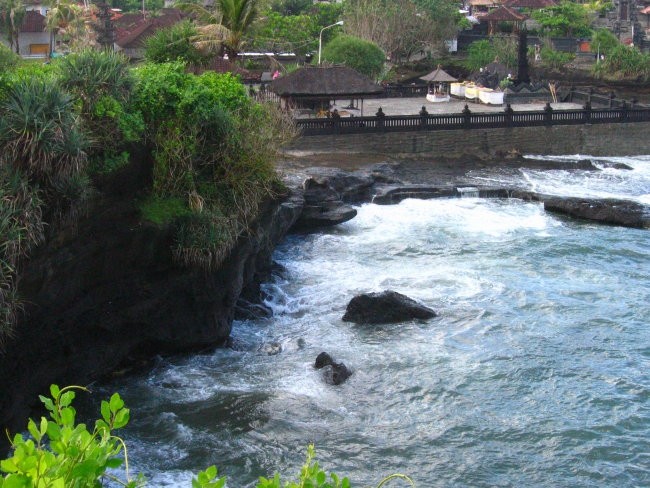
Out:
{"x": 607, "y": 182}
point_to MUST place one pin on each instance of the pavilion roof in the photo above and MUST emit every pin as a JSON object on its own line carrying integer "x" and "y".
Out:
{"x": 439, "y": 75}
{"x": 324, "y": 81}
{"x": 504, "y": 14}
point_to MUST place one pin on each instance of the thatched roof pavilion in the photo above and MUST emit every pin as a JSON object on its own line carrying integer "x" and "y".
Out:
{"x": 438, "y": 81}
{"x": 438, "y": 76}
{"x": 315, "y": 86}
{"x": 504, "y": 14}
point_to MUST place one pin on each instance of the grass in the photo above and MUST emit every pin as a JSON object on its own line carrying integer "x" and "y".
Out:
{"x": 163, "y": 211}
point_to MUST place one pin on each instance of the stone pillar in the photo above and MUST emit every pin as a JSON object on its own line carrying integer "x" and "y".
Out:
{"x": 380, "y": 119}
{"x": 509, "y": 112}
{"x": 587, "y": 112}
{"x": 423, "y": 117}
{"x": 467, "y": 117}
{"x": 548, "y": 114}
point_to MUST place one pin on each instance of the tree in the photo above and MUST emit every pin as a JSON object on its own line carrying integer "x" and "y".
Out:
{"x": 175, "y": 43}
{"x": 12, "y": 13}
{"x": 287, "y": 33}
{"x": 399, "y": 28}
{"x": 69, "y": 20}
{"x": 225, "y": 27}
{"x": 291, "y": 7}
{"x": 104, "y": 27}
{"x": 359, "y": 54}
{"x": 567, "y": 19}
{"x": 603, "y": 41}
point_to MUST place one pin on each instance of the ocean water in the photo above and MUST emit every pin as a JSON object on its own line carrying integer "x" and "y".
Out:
{"x": 535, "y": 373}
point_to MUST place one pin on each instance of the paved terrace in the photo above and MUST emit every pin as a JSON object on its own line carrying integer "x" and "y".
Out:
{"x": 412, "y": 106}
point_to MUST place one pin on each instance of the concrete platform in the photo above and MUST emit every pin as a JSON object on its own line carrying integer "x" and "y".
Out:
{"x": 412, "y": 106}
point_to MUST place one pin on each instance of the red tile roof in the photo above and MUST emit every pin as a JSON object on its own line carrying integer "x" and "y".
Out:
{"x": 504, "y": 14}
{"x": 131, "y": 32}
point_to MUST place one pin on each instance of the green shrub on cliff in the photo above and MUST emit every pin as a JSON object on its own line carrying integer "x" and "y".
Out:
{"x": 101, "y": 83}
{"x": 40, "y": 133}
{"x": 21, "y": 228}
{"x": 213, "y": 148}
{"x": 42, "y": 159}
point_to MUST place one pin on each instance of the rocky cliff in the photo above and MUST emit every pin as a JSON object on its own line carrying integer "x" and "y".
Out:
{"x": 106, "y": 291}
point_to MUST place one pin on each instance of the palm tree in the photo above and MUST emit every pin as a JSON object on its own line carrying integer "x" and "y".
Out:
{"x": 12, "y": 13}
{"x": 225, "y": 27}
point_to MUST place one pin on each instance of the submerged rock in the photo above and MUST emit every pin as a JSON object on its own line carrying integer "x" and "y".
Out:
{"x": 385, "y": 308}
{"x": 333, "y": 373}
{"x": 605, "y": 211}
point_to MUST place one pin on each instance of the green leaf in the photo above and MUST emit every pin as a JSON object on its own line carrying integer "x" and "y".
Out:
{"x": 55, "y": 391}
{"x": 33, "y": 430}
{"x": 53, "y": 431}
{"x": 17, "y": 481}
{"x": 320, "y": 477}
{"x": 67, "y": 416}
{"x": 49, "y": 404}
{"x": 345, "y": 483}
{"x": 8, "y": 466}
{"x": 66, "y": 398}
{"x": 43, "y": 427}
{"x": 106, "y": 411}
{"x": 121, "y": 418}
{"x": 115, "y": 462}
{"x": 86, "y": 469}
{"x": 116, "y": 402}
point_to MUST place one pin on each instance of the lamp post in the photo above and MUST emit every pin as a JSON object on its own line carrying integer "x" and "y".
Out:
{"x": 320, "y": 37}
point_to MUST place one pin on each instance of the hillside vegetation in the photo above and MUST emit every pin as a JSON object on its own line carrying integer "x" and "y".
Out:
{"x": 68, "y": 123}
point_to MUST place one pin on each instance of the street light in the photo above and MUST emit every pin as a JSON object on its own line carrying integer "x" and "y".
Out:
{"x": 320, "y": 37}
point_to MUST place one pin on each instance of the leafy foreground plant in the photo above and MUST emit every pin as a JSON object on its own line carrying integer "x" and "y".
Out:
{"x": 64, "y": 454}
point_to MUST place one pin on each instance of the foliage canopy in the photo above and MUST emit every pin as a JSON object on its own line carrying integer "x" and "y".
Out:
{"x": 364, "y": 56}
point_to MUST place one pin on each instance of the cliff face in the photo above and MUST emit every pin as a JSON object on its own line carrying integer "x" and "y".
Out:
{"x": 108, "y": 290}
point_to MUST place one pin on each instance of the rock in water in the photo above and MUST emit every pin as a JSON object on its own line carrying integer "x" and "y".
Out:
{"x": 386, "y": 307}
{"x": 605, "y": 211}
{"x": 333, "y": 373}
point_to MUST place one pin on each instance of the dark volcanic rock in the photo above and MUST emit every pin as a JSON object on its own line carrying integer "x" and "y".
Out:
{"x": 328, "y": 193}
{"x": 324, "y": 215}
{"x": 333, "y": 373}
{"x": 323, "y": 206}
{"x": 322, "y": 360}
{"x": 605, "y": 211}
{"x": 621, "y": 166}
{"x": 385, "y": 308}
{"x": 390, "y": 195}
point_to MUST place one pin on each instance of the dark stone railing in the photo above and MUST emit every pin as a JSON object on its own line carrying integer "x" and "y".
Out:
{"x": 470, "y": 120}
{"x": 597, "y": 99}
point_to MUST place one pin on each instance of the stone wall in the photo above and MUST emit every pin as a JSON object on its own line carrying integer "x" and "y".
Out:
{"x": 596, "y": 140}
